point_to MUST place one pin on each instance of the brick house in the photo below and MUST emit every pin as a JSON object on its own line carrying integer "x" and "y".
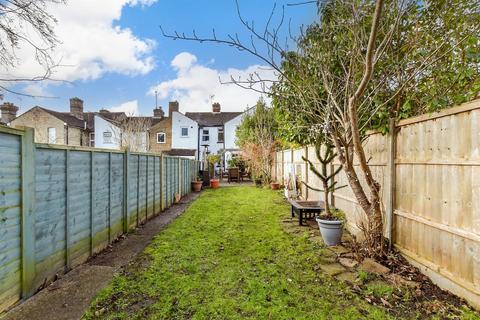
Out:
{"x": 67, "y": 128}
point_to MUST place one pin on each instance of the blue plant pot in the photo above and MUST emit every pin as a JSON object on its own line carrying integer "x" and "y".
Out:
{"x": 331, "y": 231}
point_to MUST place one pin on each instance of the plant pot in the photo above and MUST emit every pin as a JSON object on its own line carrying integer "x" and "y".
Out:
{"x": 331, "y": 231}
{"x": 275, "y": 185}
{"x": 214, "y": 183}
{"x": 197, "y": 186}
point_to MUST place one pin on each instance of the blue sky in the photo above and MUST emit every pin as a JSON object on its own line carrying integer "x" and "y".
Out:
{"x": 117, "y": 57}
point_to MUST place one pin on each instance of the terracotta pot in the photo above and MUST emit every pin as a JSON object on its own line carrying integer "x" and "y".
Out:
{"x": 214, "y": 183}
{"x": 197, "y": 186}
{"x": 275, "y": 185}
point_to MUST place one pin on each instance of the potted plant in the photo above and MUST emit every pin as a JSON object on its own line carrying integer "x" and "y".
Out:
{"x": 197, "y": 184}
{"x": 331, "y": 227}
{"x": 274, "y": 185}
{"x": 213, "y": 159}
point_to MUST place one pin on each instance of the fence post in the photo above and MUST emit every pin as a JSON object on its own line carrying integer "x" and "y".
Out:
{"x": 92, "y": 198}
{"x": 28, "y": 213}
{"x": 109, "y": 197}
{"x": 138, "y": 189}
{"x": 306, "y": 173}
{"x": 162, "y": 197}
{"x": 390, "y": 181}
{"x": 283, "y": 167}
{"x": 146, "y": 188}
{"x": 67, "y": 211}
{"x": 126, "y": 204}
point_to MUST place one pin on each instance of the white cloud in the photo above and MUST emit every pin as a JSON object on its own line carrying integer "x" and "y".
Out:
{"x": 129, "y": 107}
{"x": 91, "y": 44}
{"x": 196, "y": 83}
{"x": 183, "y": 61}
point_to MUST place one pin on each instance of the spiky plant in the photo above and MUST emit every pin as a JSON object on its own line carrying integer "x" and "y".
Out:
{"x": 328, "y": 182}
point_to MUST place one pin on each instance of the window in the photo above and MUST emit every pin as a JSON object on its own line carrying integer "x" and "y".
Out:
{"x": 92, "y": 139}
{"x": 184, "y": 131}
{"x": 221, "y": 135}
{"x": 107, "y": 137}
{"x": 52, "y": 135}
{"x": 161, "y": 137}
{"x": 205, "y": 136}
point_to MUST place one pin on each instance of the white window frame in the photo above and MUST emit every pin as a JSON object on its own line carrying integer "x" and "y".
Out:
{"x": 220, "y": 130}
{"x": 107, "y": 137}
{"x": 159, "y": 134}
{"x": 52, "y": 138}
{"x": 205, "y": 135}
{"x": 181, "y": 132}
{"x": 92, "y": 139}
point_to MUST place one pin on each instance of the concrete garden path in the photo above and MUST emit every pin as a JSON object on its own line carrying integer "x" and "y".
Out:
{"x": 69, "y": 297}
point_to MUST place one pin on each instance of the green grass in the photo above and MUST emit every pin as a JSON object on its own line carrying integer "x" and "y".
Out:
{"x": 228, "y": 257}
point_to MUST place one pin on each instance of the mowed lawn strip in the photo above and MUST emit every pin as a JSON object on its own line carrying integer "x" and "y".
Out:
{"x": 228, "y": 257}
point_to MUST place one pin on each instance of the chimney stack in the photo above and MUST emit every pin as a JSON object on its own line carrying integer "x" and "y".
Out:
{"x": 158, "y": 112}
{"x": 216, "y": 107}
{"x": 172, "y": 106}
{"x": 9, "y": 112}
{"x": 76, "y": 107}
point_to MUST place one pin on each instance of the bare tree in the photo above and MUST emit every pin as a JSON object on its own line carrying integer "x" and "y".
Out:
{"x": 27, "y": 23}
{"x": 336, "y": 84}
{"x": 257, "y": 141}
{"x": 134, "y": 135}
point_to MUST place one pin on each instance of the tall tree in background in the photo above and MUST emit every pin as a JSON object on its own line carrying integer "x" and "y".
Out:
{"x": 26, "y": 23}
{"x": 256, "y": 137}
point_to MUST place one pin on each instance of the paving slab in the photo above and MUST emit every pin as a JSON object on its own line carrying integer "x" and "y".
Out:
{"x": 69, "y": 297}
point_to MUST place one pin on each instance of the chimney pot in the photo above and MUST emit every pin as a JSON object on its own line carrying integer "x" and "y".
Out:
{"x": 9, "y": 112}
{"x": 216, "y": 107}
{"x": 76, "y": 107}
{"x": 172, "y": 106}
{"x": 158, "y": 112}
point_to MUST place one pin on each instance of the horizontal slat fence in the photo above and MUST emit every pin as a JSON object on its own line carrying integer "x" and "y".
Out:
{"x": 429, "y": 170}
{"x": 60, "y": 205}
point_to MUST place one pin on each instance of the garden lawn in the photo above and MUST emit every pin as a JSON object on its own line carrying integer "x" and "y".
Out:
{"x": 228, "y": 257}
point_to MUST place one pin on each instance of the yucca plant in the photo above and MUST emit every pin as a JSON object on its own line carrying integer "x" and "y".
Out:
{"x": 328, "y": 182}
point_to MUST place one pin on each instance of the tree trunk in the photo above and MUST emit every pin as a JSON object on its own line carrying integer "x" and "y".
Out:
{"x": 326, "y": 192}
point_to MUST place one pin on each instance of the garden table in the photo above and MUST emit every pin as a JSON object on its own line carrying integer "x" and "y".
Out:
{"x": 306, "y": 209}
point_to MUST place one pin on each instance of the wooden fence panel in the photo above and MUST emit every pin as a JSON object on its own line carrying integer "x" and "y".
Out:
{"x": 133, "y": 191}
{"x": 117, "y": 196}
{"x": 50, "y": 207}
{"x": 429, "y": 171}
{"x": 10, "y": 219}
{"x": 59, "y": 205}
{"x": 79, "y": 175}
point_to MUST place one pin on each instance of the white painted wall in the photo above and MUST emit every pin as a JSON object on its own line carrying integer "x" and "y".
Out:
{"x": 230, "y": 132}
{"x": 213, "y": 145}
{"x": 101, "y": 126}
{"x": 178, "y": 122}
